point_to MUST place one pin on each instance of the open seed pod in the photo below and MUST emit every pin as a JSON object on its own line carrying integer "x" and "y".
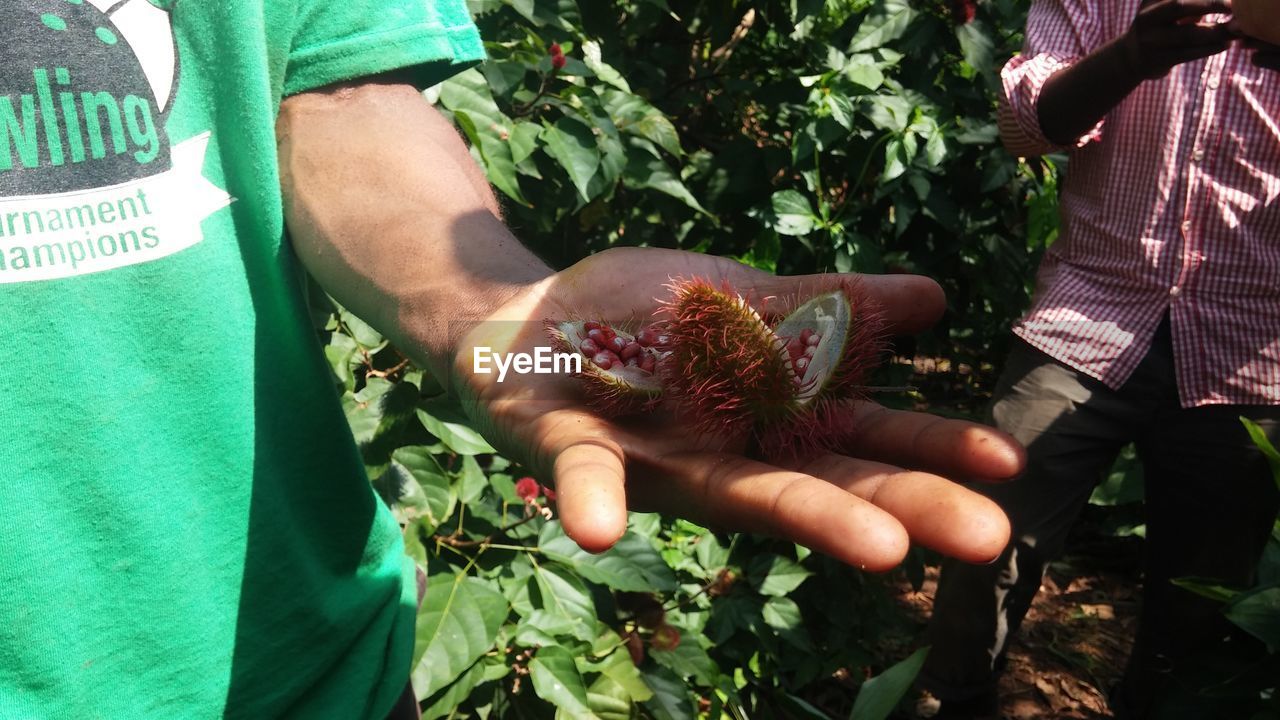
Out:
{"x": 619, "y": 368}
{"x": 790, "y": 384}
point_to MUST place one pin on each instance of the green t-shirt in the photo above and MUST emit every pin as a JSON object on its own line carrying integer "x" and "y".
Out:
{"x": 187, "y": 527}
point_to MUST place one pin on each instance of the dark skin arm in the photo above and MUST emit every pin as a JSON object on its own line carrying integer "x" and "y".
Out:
{"x": 388, "y": 211}
{"x": 1165, "y": 34}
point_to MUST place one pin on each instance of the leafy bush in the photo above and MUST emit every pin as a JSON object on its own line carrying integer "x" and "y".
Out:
{"x": 795, "y": 136}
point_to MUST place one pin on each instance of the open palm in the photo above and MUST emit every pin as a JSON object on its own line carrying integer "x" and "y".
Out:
{"x": 859, "y": 506}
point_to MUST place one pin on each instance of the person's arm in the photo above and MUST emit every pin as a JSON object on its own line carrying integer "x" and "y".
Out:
{"x": 388, "y": 211}
{"x": 1164, "y": 35}
{"x": 1058, "y": 91}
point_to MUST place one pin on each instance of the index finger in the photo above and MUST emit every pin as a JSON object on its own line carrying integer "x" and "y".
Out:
{"x": 1169, "y": 11}
{"x": 728, "y": 491}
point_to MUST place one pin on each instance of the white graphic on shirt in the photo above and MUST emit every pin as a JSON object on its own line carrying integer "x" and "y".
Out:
{"x": 88, "y": 179}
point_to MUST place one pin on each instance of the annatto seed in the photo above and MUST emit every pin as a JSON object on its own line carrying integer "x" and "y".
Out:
{"x": 813, "y": 340}
{"x": 602, "y": 359}
{"x": 630, "y": 350}
{"x": 795, "y": 347}
{"x": 591, "y": 325}
{"x": 804, "y": 335}
{"x": 617, "y": 344}
{"x": 801, "y": 365}
{"x": 600, "y": 336}
{"x": 647, "y": 337}
{"x": 589, "y": 347}
{"x": 810, "y": 350}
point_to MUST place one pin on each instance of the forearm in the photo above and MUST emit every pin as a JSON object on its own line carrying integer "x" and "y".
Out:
{"x": 388, "y": 211}
{"x": 1074, "y": 100}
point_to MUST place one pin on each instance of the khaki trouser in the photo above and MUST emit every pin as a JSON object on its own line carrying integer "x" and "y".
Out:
{"x": 1210, "y": 506}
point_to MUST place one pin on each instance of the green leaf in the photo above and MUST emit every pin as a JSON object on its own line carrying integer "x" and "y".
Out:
{"x": 792, "y": 213}
{"x": 632, "y": 114}
{"x": 524, "y": 140}
{"x": 864, "y": 71}
{"x": 452, "y": 696}
{"x": 415, "y": 480}
{"x": 650, "y": 172}
{"x": 889, "y": 23}
{"x": 448, "y": 425}
{"x": 881, "y": 694}
{"x": 556, "y": 679}
{"x": 1259, "y": 437}
{"x": 776, "y": 575}
{"x": 1258, "y": 613}
{"x": 1207, "y": 588}
{"x": 572, "y": 144}
{"x": 458, "y": 622}
{"x": 671, "y": 700}
{"x": 783, "y": 615}
{"x": 979, "y": 48}
{"x": 619, "y": 668}
{"x": 591, "y": 55}
{"x": 630, "y": 565}
{"x": 688, "y": 660}
{"x": 565, "y": 596}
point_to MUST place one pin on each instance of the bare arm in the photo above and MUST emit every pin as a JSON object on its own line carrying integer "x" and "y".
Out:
{"x": 386, "y": 208}
{"x": 1163, "y": 36}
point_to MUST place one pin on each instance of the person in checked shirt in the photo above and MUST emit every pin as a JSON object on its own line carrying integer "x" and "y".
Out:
{"x": 1156, "y": 321}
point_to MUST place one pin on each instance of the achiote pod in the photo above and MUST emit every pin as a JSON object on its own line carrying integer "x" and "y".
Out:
{"x": 789, "y": 384}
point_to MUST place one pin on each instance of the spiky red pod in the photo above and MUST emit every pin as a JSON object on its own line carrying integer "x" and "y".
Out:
{"x": 724, "y": 365}
{"x": 619, "y": 371}
{"x": 789, "y": 384}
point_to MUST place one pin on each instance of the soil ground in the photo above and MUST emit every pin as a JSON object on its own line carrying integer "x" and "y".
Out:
{"x": 1074, "y": 642}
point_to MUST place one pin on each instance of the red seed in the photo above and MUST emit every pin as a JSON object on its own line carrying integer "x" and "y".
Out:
{"x": 647, "y": 337}
{"x": 591, "y": 325}
{"x": 589, "y": 347}
{"x": 810, "y": 350}
{"x": 617, "y": 344}
{"x": 602, "y": 359}
{"x": 813, "y": 340}
{"x": 630, "y": 350}
{"x": 795, "y": 347}
{"x": 600, "y": 335}
{"x": 633, "y": 361}
{"x": 804, "y": 335}
{"x": 801, "y": 365}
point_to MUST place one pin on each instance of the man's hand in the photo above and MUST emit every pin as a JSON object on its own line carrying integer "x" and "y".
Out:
{"x": 1168, "y": 33}
{"x": 859, "y": 506}
{"x": 1165, "y": 34}
{"x": 388, "y": 211}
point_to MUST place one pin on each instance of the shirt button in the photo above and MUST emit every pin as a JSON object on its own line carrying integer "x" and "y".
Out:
{"x": 1198, "y": 155}
{"x": 1186, "y": 226}
{"x": 1214, "y": 82}
{"x": 1175, "y": 291}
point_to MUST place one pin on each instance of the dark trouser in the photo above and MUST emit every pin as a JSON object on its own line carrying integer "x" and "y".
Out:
{"x": 1210, "y": 503}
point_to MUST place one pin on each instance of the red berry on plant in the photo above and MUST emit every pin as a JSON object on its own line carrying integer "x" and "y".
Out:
{"x": 665, "y": 637}
{"x": 528, "y": 489}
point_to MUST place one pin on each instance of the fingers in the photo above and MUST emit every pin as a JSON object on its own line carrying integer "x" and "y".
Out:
{"x": 910, "y": 303}
{"x": 953, "y": 448}
{"x": 1171, "y": 11}
{"x": 935, "y": 512}
{"x": 589, "y": 471}
{"x": 734, "y": 493}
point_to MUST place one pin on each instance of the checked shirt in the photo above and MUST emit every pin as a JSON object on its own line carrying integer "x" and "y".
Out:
{"x": 1170, "y": 204}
